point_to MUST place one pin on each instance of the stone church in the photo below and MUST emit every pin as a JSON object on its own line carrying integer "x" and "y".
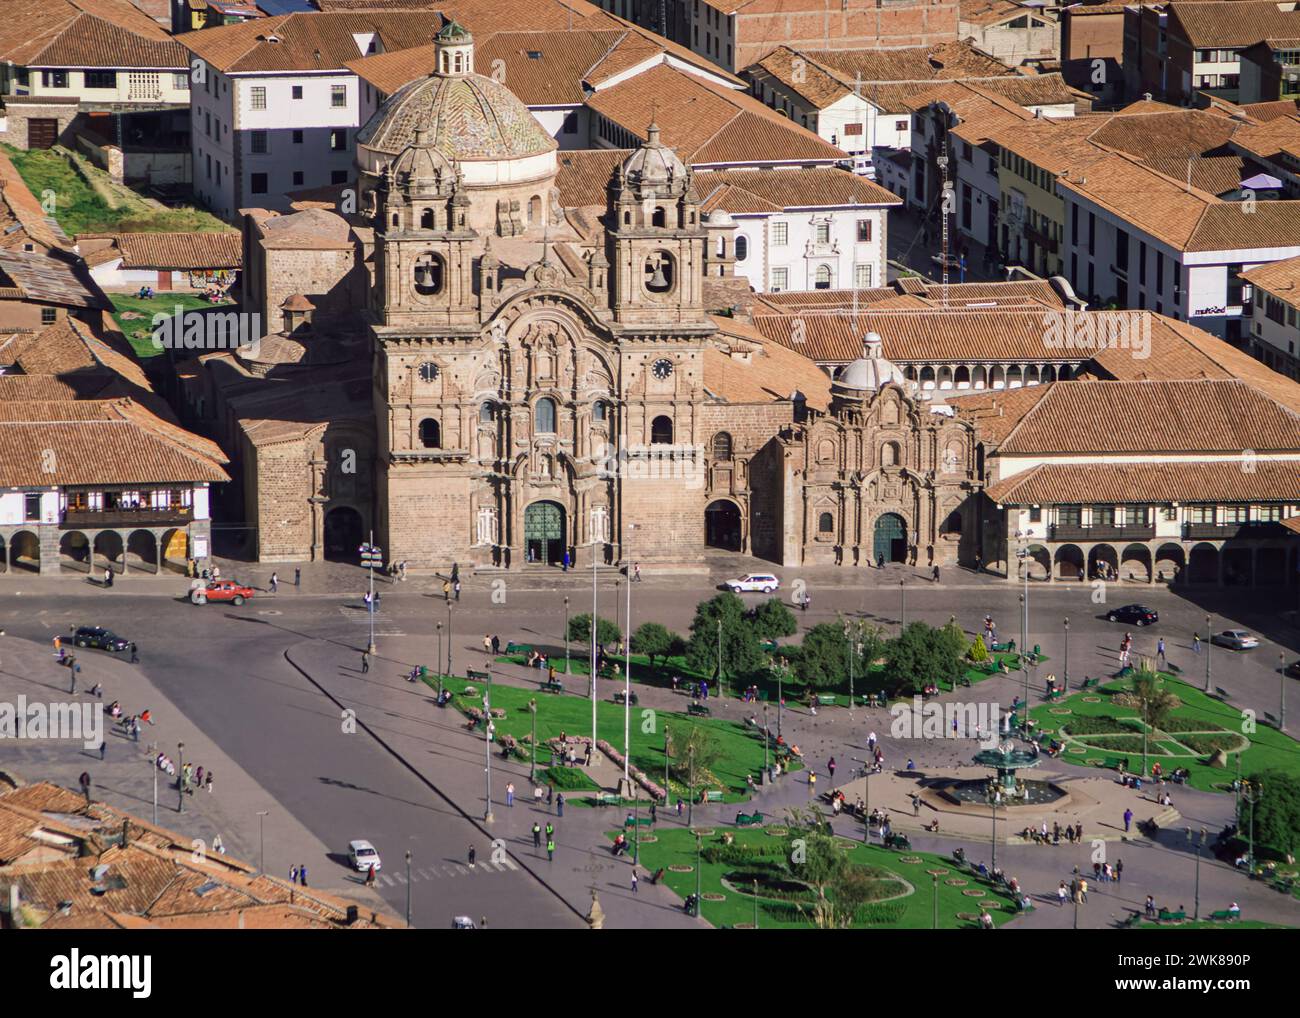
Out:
{"x": 497, "y": 380}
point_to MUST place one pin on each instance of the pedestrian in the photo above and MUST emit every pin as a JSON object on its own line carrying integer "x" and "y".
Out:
{"x": 1150, "y": 907}
{"x": 550, "y": 849}
{"x": 1083, "y": 891}
{"x": 103, "y": 748}
{"x": 135, "y": 653}
{"x": 1096, "y": 872}
{"x": 84, "y": 781}
{"x": 370, "y": 876}
{"x": 1196, "y": 643}
{"x": 679, "y": 806}
{"x": 275, "y": 582}
{"x": 634, "y": 881}
{"x": 456, "y": 589}
{"x": 365, "y": 662}
{"x": 297, "y": 577}
{"x": 871, "y": 743}
{"x": 1078, "y": 833}
{"x": 1119, "y": 871}
{"x": 1160, "y": 652}
{"x": 302, "y": 875}
{"x": 830, "y": 768}
{"x": 487, "y": 645}
{"x": 916, "y": 805}
{"x": 564, "y": 566}
{"x": 108, "y": 577}
{"x": 472, "y": 856}
{"x": 550, "y": 795}
{"x": 979, "y": 564}
{"x": 807, "y": 600}
{"x": 936, "y": 574}
{"x": 550, "y": 830}
{"x": 510, "y": 794}
{"x": 496, "y": 645}
{"x": 209, "y": 782}
{"x": 1128, "y": 820}
{"x": 654, "y": 815}
{"x": 446, "y": 591}
{"x": 537, "y": 834}
{"x": 559, "y": 805}
{"x": 135, "y": 728}
{"x": 401, "y": 569}
{"x": 293, "y": 874}
{"x": 636, "y": 572}
{"x": 812, "y": 781}
{"x": 1060, "y": 895}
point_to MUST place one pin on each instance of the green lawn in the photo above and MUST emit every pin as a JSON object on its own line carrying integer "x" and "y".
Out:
{"x": 741, "y": 748}
{"x": 1198, "y": 725}
{"x": 80, "y": 209}
{"x": 675, "y": 846}
{"x": 139, "y": 331}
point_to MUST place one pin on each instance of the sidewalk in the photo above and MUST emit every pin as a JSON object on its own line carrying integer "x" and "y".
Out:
{"x": 125, "y": 778}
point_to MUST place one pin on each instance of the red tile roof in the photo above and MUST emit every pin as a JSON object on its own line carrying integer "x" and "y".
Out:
{"x": 1120, "y": 483}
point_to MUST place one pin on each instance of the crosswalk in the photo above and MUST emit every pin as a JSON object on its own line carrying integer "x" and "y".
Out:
{"x": 448, "y": 871}
{"x": 385, "y": 624}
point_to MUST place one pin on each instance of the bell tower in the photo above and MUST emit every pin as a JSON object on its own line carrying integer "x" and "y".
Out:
{"x": 657, "y": 238}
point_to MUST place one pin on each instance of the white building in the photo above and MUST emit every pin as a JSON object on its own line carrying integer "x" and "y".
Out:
{"x": 1275, "y": 315}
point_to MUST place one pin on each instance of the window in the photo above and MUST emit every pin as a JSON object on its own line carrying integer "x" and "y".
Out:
{"x": 485, "y": 412}
{"x": 1200, "y": 514}
{"x": 722, "y": 446}
{"x": 430, "y": 434}
{"x": 181, "y": 81}
{"x": 780, "y": 280}
{"x": 338, "y": 139}
{"x": 208, "y": 156}
{"x": 852, "y": 130}
{"x": 862, "y": 277}
{"x": 296, "y": 92}
{"x": 49, "y": 316}
{"x": 570, "y": 125}
{"x": 864, "y": 231}
{"x": 54, "y": 79}
{"x": 1268, "y": 513}
{"x": 1036, "y": 514}
{"x": 823, "y": 233}
{"x": 600, "y": 411}
{"x": 661, "y": 431}
{"x": 207, "y": 124}
{"x": 1235, "y": 513}
{"x": 826, "y": 523}
{"x": 338, "y": 95}
{"x": 780, "y": 234}
{"x": 297, "y": 137}
{"x": 297, "y": 178}
{"x": 32, "y": 507}
{"x": 822, "y": 278}
{"x": 902, "y": 125}
{"x": 258, "y": 97}
{"x": 257, "y": 182}
{"x": 742, "y": 247}
{"x": 103, "y": 79}
{"x": 544, "y": 416}
{"x": 258, "y": 139}
{"x": 889, "y": 454}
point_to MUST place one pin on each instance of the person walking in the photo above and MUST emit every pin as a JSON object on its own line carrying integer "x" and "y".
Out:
{"x": 564, "y": 565}
{"x": 1119, "y": 871}
{"x": 84, "y": 781}
{"x": 979, "y": 564}
{"x": 487, "y": 645}
{"x": 275, "y": 582}
{"x": 370, "y": 876}
{"x": 293, "y": 875}
{"x": 1083, "y": 890}
{"x": 446, "y": 591}
{"x": 401, "y": 570}
{"x": 812, "y": 781}
{"x": 550, "y": 849}
{"x": 1060, "y": 895}
{"x": 455, "y": 588}
{"x": 135, "y": 653}
{"x": 496, "y": 645}
{"x": 636, "y": 572}
{"x": 936, "y": 574}
{"x": 297, "y": 577}
{"x": 1160, "y": 653}
{"x": 559, "y": 805}
{"x": 103, "y": 748}
{"x": 302, "y": 874}
{"x": 365, "y": 662}
{"x": 510, "y": 794}
{"x": 550, "y": 830}
{"x": 634, "y": 880}
{"x": 537, "y": 834}
{"x": 473, "y": 856}
{"x": 830, "y": 768}
{"x": 1128, "y": 820}
{"x": 807, "y": 600}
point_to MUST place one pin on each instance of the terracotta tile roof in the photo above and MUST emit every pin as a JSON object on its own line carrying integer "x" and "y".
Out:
{"x": 923, "y": 293}
{"x": 99, "y": 442}
{"x": 934, "y": 335}
{"x": 583, "y": 175}
{"x": 1264, "y": 112}
{"x": 315, "y": 229}
{"x": 1292, "y": 524}
{"x": 1119, "y": 483}
{"x": 996, "y": 412}
{"x": 1224, "y": 416}
{"x": 708, "y": 123}
{"x": 945, "y": 62}
{"x": 46, "y": 279}
{"x": 16, "y": 388}
{"x": 761, "y": 371}
{"x": 544, "y": 68}
{"x": 1279, "y": 278}
{"x": 23, "y": 217}
{"x": 88, "y": 41}
{"x": 981, "y": 113}
{"x": 1212, "y": 174}
{"x": 1269, "y": 139}
{"x": 818, "y": 86}
{"x": 1166, "y": 134}
{"x": 30, "y": 27}
{"x": 1236, "y": 24}
{"x": 67, "y": 347}
{"x": 788, "y": 189}
{"x": 222, "y": 249}
{"x": 733, "y": 198}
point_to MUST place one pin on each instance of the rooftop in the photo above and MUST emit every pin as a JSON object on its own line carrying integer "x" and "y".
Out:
{"x": 1118, "y": 483}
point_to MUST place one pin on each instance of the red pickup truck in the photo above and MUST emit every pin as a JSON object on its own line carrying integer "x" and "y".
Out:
{"x": 221, "y": 590}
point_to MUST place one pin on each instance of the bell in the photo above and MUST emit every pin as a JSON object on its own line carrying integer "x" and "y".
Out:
{"x": 424, "y": 275}
{"x": 658, "y": 280}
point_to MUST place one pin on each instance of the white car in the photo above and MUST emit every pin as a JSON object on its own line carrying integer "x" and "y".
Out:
{"x": 362, "y": 855}
{"x": 764, "y": 582}
{"x": 1237, "y": 639}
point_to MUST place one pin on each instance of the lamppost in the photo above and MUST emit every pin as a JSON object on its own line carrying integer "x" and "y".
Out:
{"x": 780, "y": 695}
{"x": 719, "y": 657}
{"x": 1251, "y": 794}
{"x": 153, "y": 760}
{"x": 935, "y": 877}
{"x": 261, "y": 842}
{"x": 1066, "y": 687}
{"x": 667, "y": 761}
{"x": 1198, "y": 845}
{"x": 618, "y": 605}
{"x": 532, "y": 754}
{"x": 690, "y": 792}
{"x": 566, "y": 635}
{"x": 449, "y": 671}
{"x": 902, "y": 604}
{"x": 487, "y": 745}
{"x": 180, "y": 777}
{"x": 627, "y": 668}
{"x": 699, "y": 900}
{"x": 1281, "y": 674}
{"x": 767, "y": 738}
{"x": 993, "y": 795}
{"x": 755, "y": 903}
{"x": 636, "y": 825}
{"x": 1208, "y": 644}
{"x": 408, "y": 888}
{"x": 438, "y": 663}
{"x": 852, "y": 644}
{"x": 594, "y": 626}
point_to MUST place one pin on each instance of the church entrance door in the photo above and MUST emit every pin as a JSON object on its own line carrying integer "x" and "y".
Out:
{"x": 891, "y": 538}
{"x": 544, "y": 533}
{"x": 722, "y": 526}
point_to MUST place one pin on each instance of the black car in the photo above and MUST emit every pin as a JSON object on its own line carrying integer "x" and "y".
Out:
{"x": 1136, "y": 614}
{"x": 100, "y": 638}
{"x": 1293, "y": 669}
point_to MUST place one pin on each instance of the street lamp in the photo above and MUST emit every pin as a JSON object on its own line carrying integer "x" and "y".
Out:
{"x": 1251, "y": 794}
{"x": 153, "y": 759}
{"x": 408, "y": 888}
{"x": 767, "y": 738}
{"x": 1208, "y": 644}
{"x": 934, "y": 875}
{"x": 449, "y": 638}
{"x": 261, "y": 842}
{"x": 699, "y": 899}
{"x": 566, "y": 635}
{"x": 993, "y": 795}
{"x": 180, "y": 777}
{"x": 438, "y": 663}
{"x": 487, "y": 745}
{"x": 690, "y": 792}
{"x": 627, "y": 668}
{"x": 532, "y": 755}
{"x": 1281, "y": 673}
{"x": 1198, "y": 845}
{"x": 902, "y": 604}
{"x": 1066, "y": 687}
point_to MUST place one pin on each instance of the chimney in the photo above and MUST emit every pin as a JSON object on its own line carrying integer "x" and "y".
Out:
{"x": 353, "y": 914}
{"x": 126, "y": 831}
{"x": 296, "y": 313}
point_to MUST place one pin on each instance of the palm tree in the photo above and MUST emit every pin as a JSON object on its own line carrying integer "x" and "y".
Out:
{"x": 1155, "y": 703}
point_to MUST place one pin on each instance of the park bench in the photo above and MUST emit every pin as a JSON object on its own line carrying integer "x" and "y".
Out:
{"x": 825, "y": 699}
{"x": 474, "y": 676}
{"x": 1090, "y": 683}
{"x": 638, "y": 822}
{"x": 621, "y": 694}
{"x": 1172, "y": 917}
{"x": 699, "y": 710}
{"x": 519, "y": 648}
{"x": 691, "y": 688}
{"x": 1271, "y": 719}
{"x": 899, "y": 841}
{"x": 1222, "y": 693}
{"x": 1225, "y": 916}
{"x": 552, "y": 686}
{"x": 749, "y": 819}
{"x": 1131, "y": 921}
{"x": 1054, "y": 695}
{"x": 605, "y": 799}
{"x": 710, "y": 795}
{"x": 964, "y": 681}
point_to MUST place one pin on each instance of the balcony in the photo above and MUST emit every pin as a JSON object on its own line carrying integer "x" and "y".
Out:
{"x": 812, "y": 249}
{"x": 1252, "y": 530}
{"x": 95, "y": 519}
{"x": 1078, "y": 532}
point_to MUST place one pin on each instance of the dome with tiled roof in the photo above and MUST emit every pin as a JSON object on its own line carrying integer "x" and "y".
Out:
{"x": 467, "y": 116}
{"x": 870, "y": 372}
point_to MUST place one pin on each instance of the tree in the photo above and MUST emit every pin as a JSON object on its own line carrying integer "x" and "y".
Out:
{"x": 681, "y": 740}
{"x": 871, "y": 644}
{"x": 773, "y": 619}
{"x": 742, "y": 654}
{"x": 1277, "y": 812}
{"x": 817, "y": 858}
{"x": 823, "y": 661}
{"x": 1154, "y": 701}
{"x": 978, "y": 652}
{"x": 920, "y": 655}
{"x": 654, "y": 641}
{"x": 580, "y": 630}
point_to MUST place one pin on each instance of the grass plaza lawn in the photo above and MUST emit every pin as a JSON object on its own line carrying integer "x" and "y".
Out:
{"x": 1104, "y": 733}
{"x": 740, "y": 748}
{"x": 139, "y": 331}
{"x": 903, "y": 882}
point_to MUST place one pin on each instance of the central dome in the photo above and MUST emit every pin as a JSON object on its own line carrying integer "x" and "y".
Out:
{"x": 467, "y": 117}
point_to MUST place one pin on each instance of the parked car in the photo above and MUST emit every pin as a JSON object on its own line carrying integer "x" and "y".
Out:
{"x": 222, "y": 590}
{"x": 1236, "y": 639}
{"x": 362, "y": 855}
{"x": 764, "y": 582}
{"x": 1293, "y": 669}
{"x": 862, "y": 165}
{"x": 1135, "y": 614}
{"x": 100, "y": 638}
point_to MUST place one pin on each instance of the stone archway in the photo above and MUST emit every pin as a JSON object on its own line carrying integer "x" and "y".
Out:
{"x": 545, "y": 533}
{"x": 25, "y": 551}
{"x": 4, "y": 555}
{"x": 722, "y": 525}
{"x": 111, "y": 551}
{"x": 1135, "y": 563}
{"x": 1103, "y": 553}
{"x": 1203, "y": 564}
{"x": 174, "y": 550}
{"x": 1069, "y": 562}
{"x": 74, "y": 552}
{"x": 1170, "y": 563}
{"x": 1038, "y": 562}
{"x": 344, "y": 534}
{"x": 889, "y": 538}
{"x": 1238, "y": 566}
{"x": 142, "y": 551}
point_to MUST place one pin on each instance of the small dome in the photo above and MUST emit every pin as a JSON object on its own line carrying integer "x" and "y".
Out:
{"x": 719, "y": 217}
{"x": 297, "y": 302}
{"x": 654, "y": 164}
{"x": 871, "y": 371}
{"x": 420, "y": 162}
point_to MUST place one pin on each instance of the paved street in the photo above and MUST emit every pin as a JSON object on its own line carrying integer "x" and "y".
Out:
{"x": 267, "y": 684}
